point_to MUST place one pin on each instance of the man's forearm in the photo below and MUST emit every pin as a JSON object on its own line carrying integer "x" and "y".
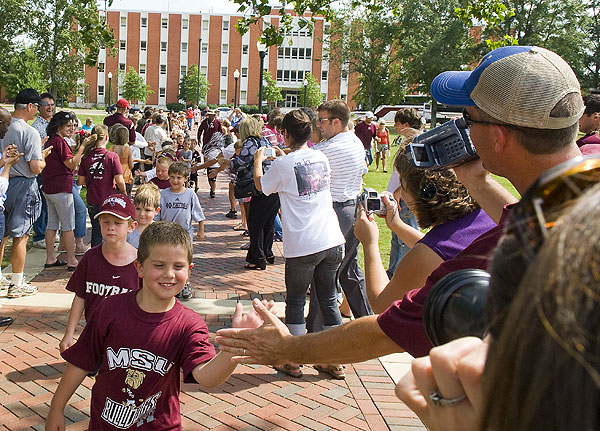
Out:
{"x": 356, "y": 341}
{"x": 376, "y": 278}
{"x": 491, "y": 196}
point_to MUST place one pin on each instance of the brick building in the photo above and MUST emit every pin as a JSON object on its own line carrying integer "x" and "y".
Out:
{"x": 162, "y": 46}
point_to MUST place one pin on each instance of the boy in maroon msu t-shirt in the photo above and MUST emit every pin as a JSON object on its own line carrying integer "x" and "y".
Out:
{"x": 144, "y": 339}
{"x": 107, "y": 269}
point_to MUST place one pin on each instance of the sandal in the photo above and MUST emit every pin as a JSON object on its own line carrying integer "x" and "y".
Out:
{"x": 239, "y": 226}
{"x": 289, "y": 369}
{"x": 55, "y": 264}
{"x": 335, "y": 371}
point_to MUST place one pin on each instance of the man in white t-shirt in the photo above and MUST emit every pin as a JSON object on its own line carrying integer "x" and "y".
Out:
{"x": 346, "y": 156}
{"x": 155, "y": 135}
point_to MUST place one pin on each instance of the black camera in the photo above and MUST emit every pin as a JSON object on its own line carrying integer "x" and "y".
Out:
{"x": 371, "y": 201}
{"x": 442, "y": 147}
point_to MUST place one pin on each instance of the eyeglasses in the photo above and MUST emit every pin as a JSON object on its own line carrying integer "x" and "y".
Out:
{"x": 320, "y": 120}
{"x": 469, "y": 121}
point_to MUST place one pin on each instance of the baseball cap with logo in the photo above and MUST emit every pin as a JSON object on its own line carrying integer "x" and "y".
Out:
{"x": 122, "y": 103}
{"x": 519, "y": 85}
{"x": 369, "y": 114}
{"x": 118, "y": 205}
{"x": 28, "y": 95}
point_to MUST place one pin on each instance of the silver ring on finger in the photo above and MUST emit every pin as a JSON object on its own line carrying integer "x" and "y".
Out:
{"x": 438, "y": 400}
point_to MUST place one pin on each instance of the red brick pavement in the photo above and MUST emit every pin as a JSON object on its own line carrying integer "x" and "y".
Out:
{"x": 254, "y": 398}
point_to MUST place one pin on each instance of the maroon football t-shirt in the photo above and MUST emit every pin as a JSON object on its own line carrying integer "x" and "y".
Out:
{"x": 138, "y": 384}
{"x": 56, "y": 177}
{"x": 95, "y": 279}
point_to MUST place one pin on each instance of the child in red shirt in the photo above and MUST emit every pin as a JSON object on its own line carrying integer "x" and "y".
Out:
{"x": 145, "y": 339}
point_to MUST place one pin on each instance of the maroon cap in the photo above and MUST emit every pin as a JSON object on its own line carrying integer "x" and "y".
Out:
{"x": 122, "y": 103}
{"x": 119, "y": 206}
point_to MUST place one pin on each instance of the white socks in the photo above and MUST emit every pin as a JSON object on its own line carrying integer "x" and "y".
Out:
{"x": 17, "y": 279}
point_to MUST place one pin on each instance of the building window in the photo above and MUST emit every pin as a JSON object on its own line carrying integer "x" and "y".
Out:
{"x": 294, "y": 52}
{"x": 183, "y": 70}
{"x": 286, "y": 75}
{"x": 243, "y": 96}
{"x": 183, "y": 46}
{"x": 203, "y": 70}
{"x": 288, "y": 52}
{"x": 224, "y": 71}
{"x": 143, "y": 45}
{"x": 142, "y": 68}
{"x": 344, "y": 75}
{"x": 279, "y": 75}
{"x": 100, "y": 67}
{"x": 144, "y": 22}
{"x": 205, "y": 24}
{"x": 244, "y": 72}
{"x": 224, "y": 95}
{"x": 101, "y": 90}
{"x": 308, "y": 53}
{"x": 300, "y": 75}
{"x": 123, "y": 21}
{"x": 122, "y": 44}
{"x": 204, "y": 48}
{"x": 163, "y": 46}
{"x": 165, "y": 23}
{"x": 325, "y": 57}
{"x": 163, "y": 69}
{"x": 293, "y": 75}
{"x": 162, "y": 92}
{"x": 225, "y": 25}
{"x": 122, "y": 66}
{"x": 225, "y": 48}
{"x": 185, "y": 24}
{"x": 343, "y": 97}
{"x": 301, "y": 53}
{"x": 279, "y": 52}
{"x": 244, "y": 49}
{"x": 324, "y": 75}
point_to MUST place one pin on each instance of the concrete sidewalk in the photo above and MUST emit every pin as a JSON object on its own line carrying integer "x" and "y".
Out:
{"x": 254, "y": 398}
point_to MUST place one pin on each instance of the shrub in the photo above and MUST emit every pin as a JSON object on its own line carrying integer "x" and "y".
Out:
{"x": 176, "y": 107}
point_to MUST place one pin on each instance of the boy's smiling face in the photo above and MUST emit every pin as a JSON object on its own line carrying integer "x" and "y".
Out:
{"x": 144, "y": 214}
{"x": 164, "y": 272}
{"x": 177, "y": 182}
{"x": 162, "y": 171}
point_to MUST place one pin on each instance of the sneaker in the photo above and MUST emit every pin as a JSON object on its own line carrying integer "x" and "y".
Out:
{"x": 213, "y": 195}
{"x": 245, "y": 246}
{"x": 186, "y": 293}
{"x": 4, "y": 282}
{"x": 192, "y": 185}
{"x": 24, "y": 289}
{"x": 39, "y": 244}
{"x": 231, "y": 214}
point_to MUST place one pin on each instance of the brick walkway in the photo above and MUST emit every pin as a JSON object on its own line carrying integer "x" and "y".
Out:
{"x": 254, "y": 398}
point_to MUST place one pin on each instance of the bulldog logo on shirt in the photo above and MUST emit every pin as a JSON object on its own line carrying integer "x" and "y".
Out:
{"x": 134, "y": 378}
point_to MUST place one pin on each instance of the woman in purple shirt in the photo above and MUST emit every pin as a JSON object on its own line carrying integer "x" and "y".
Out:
{"x": 440, "y": 203}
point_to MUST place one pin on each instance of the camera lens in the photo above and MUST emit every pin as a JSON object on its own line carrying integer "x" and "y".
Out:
{"x": 455, "y": 307}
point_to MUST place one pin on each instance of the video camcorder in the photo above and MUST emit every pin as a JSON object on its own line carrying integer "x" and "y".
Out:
{"x": 442, "y": 147}
{"x": 371, "y": 201}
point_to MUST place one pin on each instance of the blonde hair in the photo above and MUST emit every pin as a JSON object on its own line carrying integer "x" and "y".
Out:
{"x": 147, "y": 195}
{"x": 99, "y": 133}
{"x": 250, "y": 127}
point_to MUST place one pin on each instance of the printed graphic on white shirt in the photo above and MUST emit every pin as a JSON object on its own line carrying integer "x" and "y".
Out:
{"x": 311, "y": 178}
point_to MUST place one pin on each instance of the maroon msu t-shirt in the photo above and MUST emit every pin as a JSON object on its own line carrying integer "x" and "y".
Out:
{"x": 138, "y": 384}
{"x": 95, "y": 279}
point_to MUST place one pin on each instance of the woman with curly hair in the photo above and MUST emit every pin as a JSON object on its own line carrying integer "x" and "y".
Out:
{"x": 441, "y": 203}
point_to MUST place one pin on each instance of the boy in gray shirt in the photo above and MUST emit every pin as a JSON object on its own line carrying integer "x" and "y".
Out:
{"x": 180, "y": 204}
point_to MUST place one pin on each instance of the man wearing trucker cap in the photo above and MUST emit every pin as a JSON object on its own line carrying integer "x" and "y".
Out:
{"x": 522, "y": 105}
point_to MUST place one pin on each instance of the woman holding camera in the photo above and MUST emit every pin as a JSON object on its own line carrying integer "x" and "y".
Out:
{"x": 314, "y": 244}
{"x": 441, "y": 203}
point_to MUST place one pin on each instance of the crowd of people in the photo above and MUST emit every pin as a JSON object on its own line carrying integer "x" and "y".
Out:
{"x": 299, "y": 177}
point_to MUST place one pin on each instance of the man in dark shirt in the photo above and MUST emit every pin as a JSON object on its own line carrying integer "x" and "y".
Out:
{"x": 366, "y": 131}
{"x": 589, "y": 123}
{"x": 208, "y": 127}
{"x": 119, "y": 117}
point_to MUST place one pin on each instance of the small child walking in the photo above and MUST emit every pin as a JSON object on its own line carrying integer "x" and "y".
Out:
{"x": 147, "y": 206}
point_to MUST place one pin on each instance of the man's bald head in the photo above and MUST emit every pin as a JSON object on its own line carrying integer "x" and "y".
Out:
{"x": 4, "y": 121}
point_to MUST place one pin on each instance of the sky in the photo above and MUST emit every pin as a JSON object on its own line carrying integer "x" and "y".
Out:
{"x": 197, "y": 6}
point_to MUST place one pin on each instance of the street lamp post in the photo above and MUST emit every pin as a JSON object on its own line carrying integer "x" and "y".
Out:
{"x": 305, "y": 82}
{"x": 262, "y": 51}
{"x": 109, "y": 88}
{"x": 236, "y": 75}
{"x": 198, "y": 84}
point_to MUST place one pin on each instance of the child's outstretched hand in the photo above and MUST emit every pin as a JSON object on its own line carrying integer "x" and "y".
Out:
{"x": 251, "y": 319}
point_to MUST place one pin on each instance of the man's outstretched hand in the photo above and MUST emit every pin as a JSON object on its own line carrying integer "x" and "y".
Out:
{"x": 257, "y": 337}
